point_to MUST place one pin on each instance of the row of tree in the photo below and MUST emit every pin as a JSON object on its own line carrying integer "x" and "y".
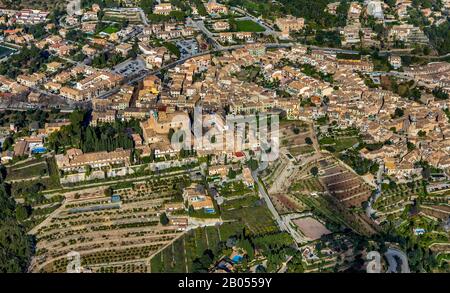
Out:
{"x": 313, "y": 11}
{"x": 28, "y": 60}
{"x": 105, "y": 137}
{"x": 15, "y": 244}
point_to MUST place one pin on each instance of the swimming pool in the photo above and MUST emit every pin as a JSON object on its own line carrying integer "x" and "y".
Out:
{"x": 5, "y": 51}
{"x": 39, "y": 150}
{"x": 237, "y": 258}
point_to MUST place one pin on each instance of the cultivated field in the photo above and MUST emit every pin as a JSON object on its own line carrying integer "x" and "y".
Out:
{"x": 180, "y": 255}
{"x": 334, "y": 195}
{"x": 343, "y": 184}
{"x": 111, "y": 234}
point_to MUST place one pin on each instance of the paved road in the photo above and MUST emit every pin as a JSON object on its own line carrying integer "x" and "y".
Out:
{"x": 143, "y": 17}
{"x": 283, "y": 224}
{"x": 286, "y": 171}
{"x": 200, "y": 25}
{"x": 283, "y": 268}
{"x": 265, "y": 196}
{"x": 369, "y": 209}
{"x": 407, "y": 52}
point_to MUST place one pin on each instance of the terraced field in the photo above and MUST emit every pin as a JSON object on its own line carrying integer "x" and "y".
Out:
{"x": 394, "y": 199}
{"x": 441, "y": 212}
{"x": 180, "y": 255}
{"x": 25, "y": 170}
{"x": 307, "y": 185}
{"x": 343, "y": 184}
{"x": 436, "y": 205}
{"x": 332, "y": 195}
{"x": 33, "y": 176}
{"x": 110, "y": 235}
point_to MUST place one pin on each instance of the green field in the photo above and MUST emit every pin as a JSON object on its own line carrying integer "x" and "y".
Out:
{"x": 180, "y": 255}
{"x": 27, "y": 170}
{"x": 231, "y": 189}
{"x": 339, "y": 143}
{"x": 337, "y": 140}
{"x": 249, "y": 213}
{"x": 111, "y": 29}
{"x": 252, "y": 212}
{"x": 248, "y": 26}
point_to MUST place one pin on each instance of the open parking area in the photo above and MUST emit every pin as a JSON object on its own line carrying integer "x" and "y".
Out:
{"x": 131, "y": 68}
{"x": 187, "y": 47}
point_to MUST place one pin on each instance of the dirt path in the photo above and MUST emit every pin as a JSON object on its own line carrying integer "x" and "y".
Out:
{"x": 31, "y": 165}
